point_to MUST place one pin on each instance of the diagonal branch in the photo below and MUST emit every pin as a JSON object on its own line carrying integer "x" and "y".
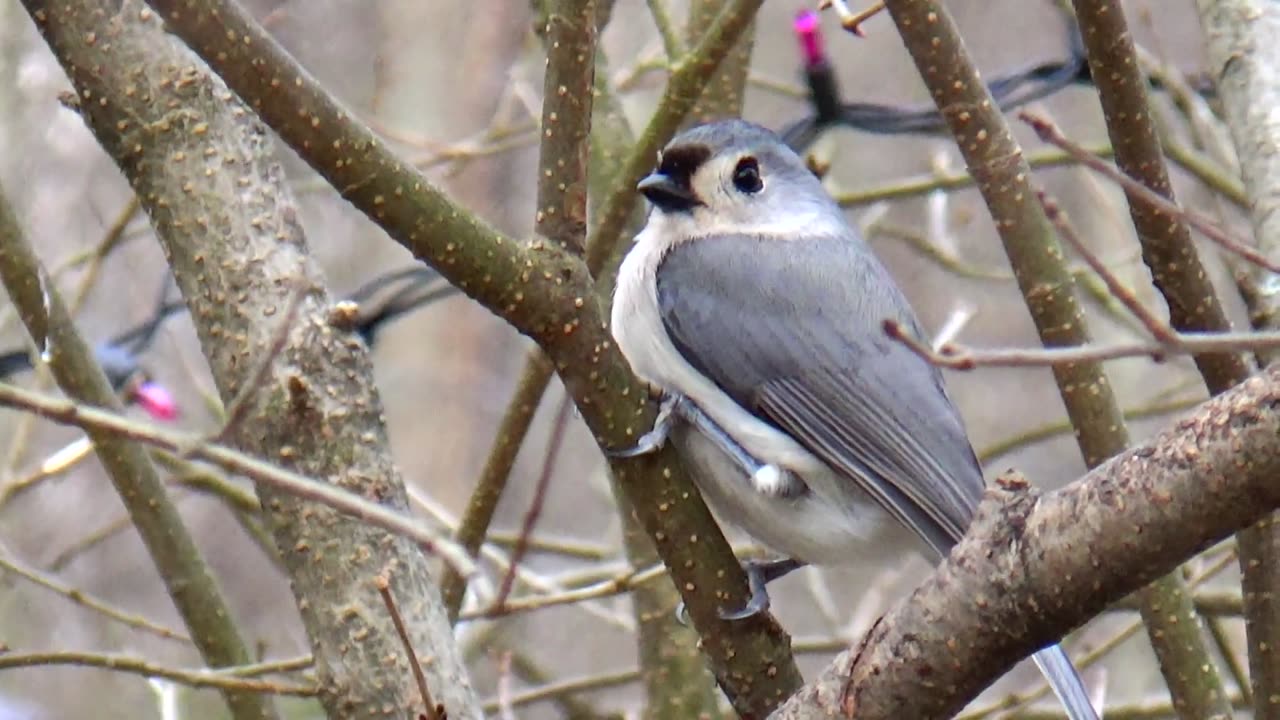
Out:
{"x": 541, "y": 290}
{"x": 182, "y": 569}
{"x": 1003, "y": 177}
{"x": 1176, "y": 270}
{"x": 1034, "y": 566}
{"x": 203, "y": 167}
{"x": 1242, "y": 37}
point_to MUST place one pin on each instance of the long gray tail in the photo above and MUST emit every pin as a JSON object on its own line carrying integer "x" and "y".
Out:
{"x": 1066, "y": 683}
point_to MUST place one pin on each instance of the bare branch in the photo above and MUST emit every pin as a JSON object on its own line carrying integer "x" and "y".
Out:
{"x": 566, "y": 123}
{"x": 483, "y": 503}
{"x": 1154, "y": 325}
{"x": 554, "y": 443}
{"x": 432, "y": 711}
{"x": 1052, "y": 135}
{"x": 1241, "y": 37}
{"x": 958, "y": 357}
{"x": 112, "y": 424}
{"x": 1017, "y": 580}
{"x": 178, "y": 561}
{"x": 223, "y": 679}
{"x": 80, "y": 597}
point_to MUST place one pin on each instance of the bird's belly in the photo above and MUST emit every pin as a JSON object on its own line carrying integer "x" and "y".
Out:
{"x": 831, "y": 523}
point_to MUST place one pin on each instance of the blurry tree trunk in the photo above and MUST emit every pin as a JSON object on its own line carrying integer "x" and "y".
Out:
{"x": 201, "y": 163}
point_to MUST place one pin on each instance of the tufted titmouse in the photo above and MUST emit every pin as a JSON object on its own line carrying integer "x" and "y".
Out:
{"x": 758, "y": 312}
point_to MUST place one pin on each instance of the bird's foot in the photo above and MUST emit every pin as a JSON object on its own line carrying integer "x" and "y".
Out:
{"x": 759, "y": 574}
{"x": 653, "y": 440}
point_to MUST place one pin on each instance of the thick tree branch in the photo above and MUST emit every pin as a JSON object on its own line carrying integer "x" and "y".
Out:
{"x": 1034, "y": 566}
{"x": 1004, "y": 179}
{"x": 1170, "y": 253}
{"x": 186, "y": 577}
{"x": 201, "y": 164}
{"x": 1243, "y": 37}
{"x": 676, "y": 682}
{"x": 542, "y": 291}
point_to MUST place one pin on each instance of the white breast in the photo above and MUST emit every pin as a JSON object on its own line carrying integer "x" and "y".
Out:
{"x": 637, "y": 326}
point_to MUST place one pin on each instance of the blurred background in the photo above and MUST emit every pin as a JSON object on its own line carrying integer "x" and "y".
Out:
{"x": 456, "y": 84}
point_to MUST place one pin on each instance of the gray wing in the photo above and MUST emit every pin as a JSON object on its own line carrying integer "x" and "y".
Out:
{"x": 793, "y": 331}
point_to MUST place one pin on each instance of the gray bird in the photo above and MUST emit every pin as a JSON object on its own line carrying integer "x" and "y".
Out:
{"x": 759, "y": 313}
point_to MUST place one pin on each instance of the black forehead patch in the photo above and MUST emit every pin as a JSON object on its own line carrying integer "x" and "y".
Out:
{"x": 680, "y": 162}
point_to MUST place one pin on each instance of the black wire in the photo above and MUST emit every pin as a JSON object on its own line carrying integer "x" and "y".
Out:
{"x": 364, "y": 292}
{"x": 118, "y": 355}
{"x": 426, "y": 287}
{"x": 1009, "y": 91}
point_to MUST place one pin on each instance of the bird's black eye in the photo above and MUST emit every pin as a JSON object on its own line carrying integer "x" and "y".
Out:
{"x": 746, "y": 176}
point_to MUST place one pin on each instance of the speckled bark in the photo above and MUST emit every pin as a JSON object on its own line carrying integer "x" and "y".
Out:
{"x": 543, "y": 292}
{"x": 1036, "y": 565}
{"x": 1004, "y": 178}
{"x": 673, "y": 671}
{"x": 200, "y": 161}
{"x": 566, "y": 122}
{"x": 723, "y": 95}
{"x": 178, "y": 561}
{"x": 1243, "y": 41}
{"x": 1176, "y": 270}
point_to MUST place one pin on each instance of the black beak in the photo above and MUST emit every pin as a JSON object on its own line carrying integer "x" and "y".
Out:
{"x": 668, "y": 193}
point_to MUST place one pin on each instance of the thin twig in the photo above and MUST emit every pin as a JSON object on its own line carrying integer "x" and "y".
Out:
{"x": 1049, "y": 132}
{"x": 959, "y": 357}
{"x": 482, "y": 505}
{"x": 433, "y": 711}
{"x": 222, "y": 679}
{"x": 504, "y": 707}
{"x": 564, "y": 687}
{"x": 85, "y": 600}
{"x": 1030, "y": 436}
{"x": 925, "y": 183}
{"x": 554, "y": 443}
{"x": 1159, "y": 329}
{"x": 69, "y": 413}
{"x": 57, "y": 463}
{"x": 623, "y": 583}
{"x": 850, "y": 20}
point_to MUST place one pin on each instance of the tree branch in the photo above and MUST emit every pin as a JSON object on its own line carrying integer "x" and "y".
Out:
{"x": 542, "y": 291}
{"x": 566, "y": 123}
{"x": 178, "y": 561}
{"x": 1034, "y": 565}
{"x": 224, "y": 680}
{"x": 1003, "y": 177}
{"x": 1242, "y": 36}
{"x": 1176, "y": 270}
{"x": 202, "y": 166}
